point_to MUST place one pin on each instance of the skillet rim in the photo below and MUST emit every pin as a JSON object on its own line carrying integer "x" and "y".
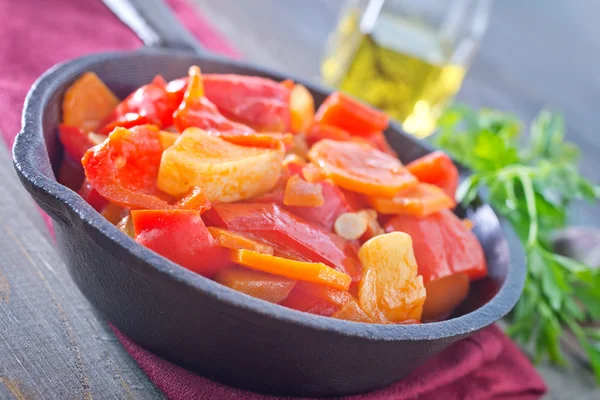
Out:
{"x": 30, "y": 142}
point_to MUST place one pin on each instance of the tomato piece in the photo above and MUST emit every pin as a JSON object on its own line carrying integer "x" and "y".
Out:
{"x": 437, "y": 169}
{"x": 317, "y": 299}
{"x": 351, "y": 115}
{"x": 74, "y": 140}
{"x": 269, "y": 287}
{"x": 150, "y": 104}
{"x": 70, "y": 173}
{"x": 300, "y": 301}
{"x": 379, "y": 141}
{"x": 254, "y": 101}
{"x": 114, "y": 213}
{"x": 351, "y": 311}
{"x": 390, "y": 290}
{"x": 180, "y": 236}
{"x": 300, "y": 193}
{"x": 444, "y": 295}
{"x": 320, "y": 131}
{"x": 87, "y": 102}
{"x": 196, "y": 110}
{"x": 302, "y": 108}
{"x": 237, "y": 241}
{"x": 421, "y": 200}
{"x": 315, "y": 272}
{"x": 443, "y": 245}
{"x": 92, "y": 196}
{"x": 195, "y": 200}
{"x": 276, "y": 226}
{"x": 361, "y": 168}
{"x": 124, "y": 168}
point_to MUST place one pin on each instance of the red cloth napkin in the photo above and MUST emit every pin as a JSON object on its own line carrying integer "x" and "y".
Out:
{"x": 486, "y": 365}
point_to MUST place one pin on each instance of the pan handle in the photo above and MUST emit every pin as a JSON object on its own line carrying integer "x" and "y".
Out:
{"x": 154, "y": 23}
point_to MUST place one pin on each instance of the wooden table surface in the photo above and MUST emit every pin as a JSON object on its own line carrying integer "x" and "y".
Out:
{"x": 52, "y": 343}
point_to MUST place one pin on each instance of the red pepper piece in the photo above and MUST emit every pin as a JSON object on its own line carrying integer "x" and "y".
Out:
{"x": 351, "y": 115}
{"x": 92, "y": 196}
{"x": 437, "y": 169}
{"x": 280, "y": 228}
{"x": 74, "y": 140}
{"x": 182, "y": 237}
{"x": 442, "y": 244}
{"x": 316, "y": 299}
{"x": 150, "y": 104}
{"x": 255, "y": 101}
{"x": 70, "y": 173}
{"x": 124, "y": 168}
{"x": 320, "y": 131}
{"x": 379, "y": 141}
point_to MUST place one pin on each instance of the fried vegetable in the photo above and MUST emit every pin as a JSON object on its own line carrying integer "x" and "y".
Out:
{"x": 361, "y": 168}
{"x": 299, "y": 270}
{"x": 390, "y": 290}
{"x": 87, "y": 102}
{"x": 227, "y": 172}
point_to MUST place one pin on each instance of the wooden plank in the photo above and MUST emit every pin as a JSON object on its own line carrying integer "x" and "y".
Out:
{"x": 53, "y": 345}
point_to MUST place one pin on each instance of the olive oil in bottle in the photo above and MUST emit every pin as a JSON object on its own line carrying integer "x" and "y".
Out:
{"x": 398, "y": 65}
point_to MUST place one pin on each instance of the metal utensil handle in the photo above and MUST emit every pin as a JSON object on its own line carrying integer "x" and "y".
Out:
{"x": 154, "y": 23}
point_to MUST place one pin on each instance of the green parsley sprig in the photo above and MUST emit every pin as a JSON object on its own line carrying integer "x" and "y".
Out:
{"x": 531, "y": 181}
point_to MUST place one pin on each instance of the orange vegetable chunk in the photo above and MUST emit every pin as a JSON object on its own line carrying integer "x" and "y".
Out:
{"x": 302, "y": 108}
{"x": 438, "y": 169}
{"x": 421, "y": 200}
{"x": 238, "y": 241}
{"x": 390, "y": 290}
{"x": 298, "y": 192}
{"x": 269, "y": 287}
{"x": 123, "y": 169}
{"x": 312, "y": 173}
{"x": 299, "y": 270}
{"x": 444, "y": 295}
{"x": 361, "y": 168}
{"x": 167, "y": 139}
{"x": 194, "y": 200}
{"x": 87, "y": 102}
{"x": 227, "y": 172}
{"x": 351, "y": 115}
{"x": 352, "y": 312}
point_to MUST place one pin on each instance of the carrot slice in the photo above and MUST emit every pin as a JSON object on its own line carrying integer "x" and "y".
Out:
{"x": 87, "y": 102}
{"x": 355, "y": 117}
{"x": 320, "y": 131}
{"x": 194, "y": 200}
{"x": 237, "y": 241}
{"x": 361, "y": 168}
{"x": 298, "y": 192}
{"x": 351, "y": 311}
{"x": 257, "y": 284}
{"x": 422, "y": 200}
{"x": 305, "y": 271}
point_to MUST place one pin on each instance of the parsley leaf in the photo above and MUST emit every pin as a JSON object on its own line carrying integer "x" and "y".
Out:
{"x": 531, "y": 181}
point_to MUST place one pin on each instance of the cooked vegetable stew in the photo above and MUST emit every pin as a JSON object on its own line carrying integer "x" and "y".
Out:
{"x": 238, "y": 179}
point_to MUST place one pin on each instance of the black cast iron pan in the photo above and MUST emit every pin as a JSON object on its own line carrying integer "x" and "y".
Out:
{"x": 193, "y": 321}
